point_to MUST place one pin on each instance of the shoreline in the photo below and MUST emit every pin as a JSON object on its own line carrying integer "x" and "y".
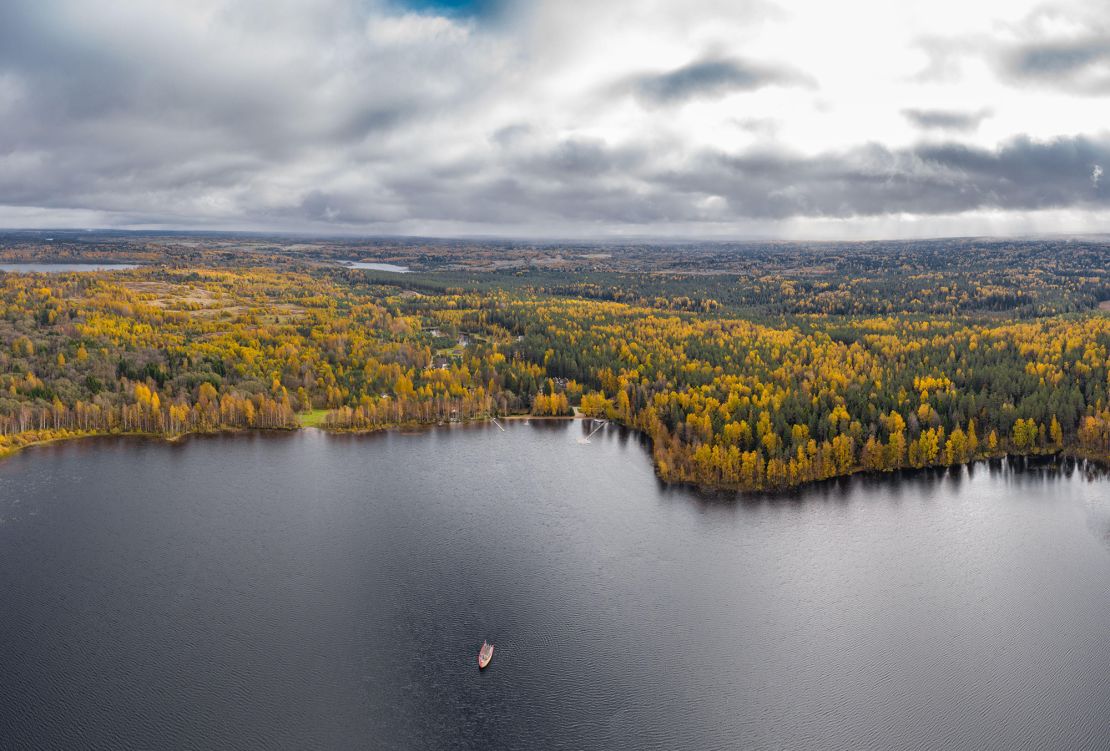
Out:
{"x": 546, "y": 417}
{"x": 76, "y": 436}
{"x": 1072, "y": 453}
{"x": 860, "y": 473}
{"x": 420, "y": 426}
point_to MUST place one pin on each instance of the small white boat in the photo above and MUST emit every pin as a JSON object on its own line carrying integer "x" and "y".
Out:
{"x": 485, "y": 654}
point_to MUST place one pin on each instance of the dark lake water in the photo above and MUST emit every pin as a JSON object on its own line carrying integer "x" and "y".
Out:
{"x": 305, "y": 591}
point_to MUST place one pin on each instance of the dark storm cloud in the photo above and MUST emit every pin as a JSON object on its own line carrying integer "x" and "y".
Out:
{"x": 945, "y": 119}
{"x": 711, "y": 77}
{"x": 1055, "y": 59}
{"x": 867, "y": 181}
{"x": 927, "y": 179}
{"x": 1079, "y": 65}
{"x": 1062, "y": 46}
{"x": 594, "y": 184}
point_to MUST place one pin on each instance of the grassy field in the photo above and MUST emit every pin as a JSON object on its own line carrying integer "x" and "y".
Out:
{"x": 313, "y": 419}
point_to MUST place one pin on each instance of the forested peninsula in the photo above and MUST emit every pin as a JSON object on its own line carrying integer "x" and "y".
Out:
{"x": 767, "y": 368}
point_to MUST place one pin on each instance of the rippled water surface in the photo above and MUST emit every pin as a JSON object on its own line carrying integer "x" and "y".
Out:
{"x": 304, "y": 591}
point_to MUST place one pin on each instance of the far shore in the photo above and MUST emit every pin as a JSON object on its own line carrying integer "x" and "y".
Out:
{"x": 415, "y": 427}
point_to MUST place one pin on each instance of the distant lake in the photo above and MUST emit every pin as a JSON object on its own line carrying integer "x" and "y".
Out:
{"x": 308, "y": 591}
{"x": 375, "y": 266}
{"x": 60, "y": 268}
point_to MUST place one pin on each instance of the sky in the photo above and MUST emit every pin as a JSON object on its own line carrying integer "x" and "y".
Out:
{"x": 729, "y": 119}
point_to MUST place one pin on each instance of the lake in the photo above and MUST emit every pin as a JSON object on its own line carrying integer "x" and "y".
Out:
{"x": 377, "y": 266}
{"x": 308, "y": 591}
{"x": 61, "y": 268}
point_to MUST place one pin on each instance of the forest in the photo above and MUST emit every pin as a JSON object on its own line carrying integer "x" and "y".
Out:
{"x": 857, "y": 359}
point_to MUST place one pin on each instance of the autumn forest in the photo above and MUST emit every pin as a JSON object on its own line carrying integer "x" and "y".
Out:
{"x": 748, "y": 367}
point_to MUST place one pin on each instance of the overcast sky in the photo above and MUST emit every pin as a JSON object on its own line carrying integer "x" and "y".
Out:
{"x": 558, "y": 118}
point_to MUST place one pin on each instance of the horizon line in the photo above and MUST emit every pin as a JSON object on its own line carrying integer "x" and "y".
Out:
{"x": 646, "y": 239}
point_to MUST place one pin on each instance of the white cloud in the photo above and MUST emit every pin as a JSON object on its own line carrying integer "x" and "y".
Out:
{"x": 415, "y": 29}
